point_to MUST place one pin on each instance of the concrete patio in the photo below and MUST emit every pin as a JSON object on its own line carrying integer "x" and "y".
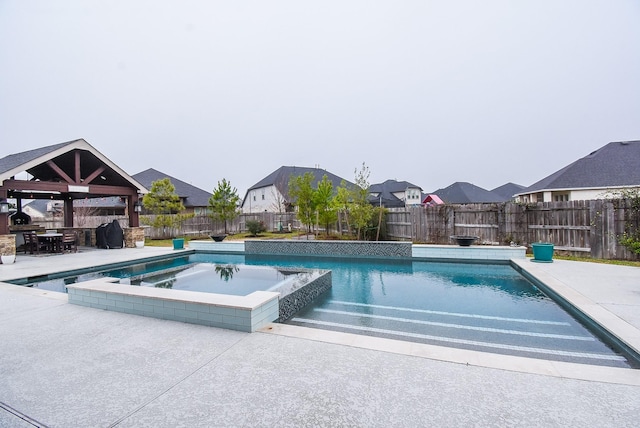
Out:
{"x": 68, "y": 365}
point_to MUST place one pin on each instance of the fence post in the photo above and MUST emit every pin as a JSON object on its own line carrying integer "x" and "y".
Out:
{"x": 595, "y": 237}
{"x": 450, "y": 223}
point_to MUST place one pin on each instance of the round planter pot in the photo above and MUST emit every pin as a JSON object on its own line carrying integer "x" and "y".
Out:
{"x": 7, "y": 260}
{"x": 542, "y": 252}
{"x": 139, "y": 244}
{"x": 218, "y": 238}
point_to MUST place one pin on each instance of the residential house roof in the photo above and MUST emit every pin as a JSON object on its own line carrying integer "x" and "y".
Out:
{"x": 466, "y": 193}
{"x": 507, "y": 190}
{"x": 43, "y": 205}
{"x": 281, "y": 176}
{"x": 432, "y": 199}
{"x": 16, "y": 160}
{"x": 615, "y": 165}
{"x": 386, "y": 190}
{"x": 191, "y": 196}
{"x": 40, "y": 206}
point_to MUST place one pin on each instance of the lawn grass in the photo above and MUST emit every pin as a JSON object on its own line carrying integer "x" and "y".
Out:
{"x": 231, "y": 237}
{"x": 603, "y": 261}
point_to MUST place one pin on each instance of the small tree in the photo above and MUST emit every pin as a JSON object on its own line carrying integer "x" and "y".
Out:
{"x": 360, "y": 210}
{"x": 301, "y": 191}
{"x": 83, "y": 213}
{"x": 324, "y": 203}
{"x": 163, "y": 201}
{"x": 341, "y": 202}
{"x": 224, "y": 202}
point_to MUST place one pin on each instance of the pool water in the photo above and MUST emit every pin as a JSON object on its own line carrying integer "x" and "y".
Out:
{"x": 218, "y": 278}
{"x": 182, "y": 273}
{"x": 490, "y": 308}
{"x": 483, "y": 307}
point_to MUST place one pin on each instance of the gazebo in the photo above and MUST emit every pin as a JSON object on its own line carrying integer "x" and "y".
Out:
{"x": 65, "y": 172}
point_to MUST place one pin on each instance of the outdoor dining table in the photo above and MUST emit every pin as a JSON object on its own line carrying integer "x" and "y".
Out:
{"x": 53, "y": 241}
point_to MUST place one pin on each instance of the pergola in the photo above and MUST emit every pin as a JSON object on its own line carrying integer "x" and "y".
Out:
{"x": 66, "y": 171}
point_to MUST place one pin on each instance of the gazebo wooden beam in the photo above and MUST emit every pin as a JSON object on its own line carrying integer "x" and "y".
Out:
{"x": 60, "y": 172}
{"x": 48, "y": 186}
{"x": 93, "y": 175}
{"x": 77, "y": 166}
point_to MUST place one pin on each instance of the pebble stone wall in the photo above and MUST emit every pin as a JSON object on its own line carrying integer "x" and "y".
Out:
{"x": 330, "y": 248}
{"x": 293, "y": 302}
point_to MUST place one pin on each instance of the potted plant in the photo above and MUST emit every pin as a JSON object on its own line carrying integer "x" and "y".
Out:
{"x": 542, "y": 252}
{"x": 163, "y": 201}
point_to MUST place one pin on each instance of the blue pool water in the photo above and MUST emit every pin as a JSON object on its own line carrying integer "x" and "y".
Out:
{"x": 183, "y": 273}
{"x": 483, "y": 307}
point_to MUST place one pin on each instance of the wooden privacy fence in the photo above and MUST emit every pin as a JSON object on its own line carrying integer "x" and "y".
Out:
{"x": 203, "y": 225}
{"x": 576, "y": 226}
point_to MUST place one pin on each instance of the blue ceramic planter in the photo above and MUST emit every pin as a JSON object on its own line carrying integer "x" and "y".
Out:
{"x": 178, "y": 243}
{"x": 542, "y": 252}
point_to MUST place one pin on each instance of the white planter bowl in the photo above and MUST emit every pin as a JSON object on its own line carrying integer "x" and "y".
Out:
{"x": 7, "y": 260}
{"x": 139, "y": 244}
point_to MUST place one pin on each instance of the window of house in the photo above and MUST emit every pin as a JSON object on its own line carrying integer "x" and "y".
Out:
{"x": 561, "y": 197}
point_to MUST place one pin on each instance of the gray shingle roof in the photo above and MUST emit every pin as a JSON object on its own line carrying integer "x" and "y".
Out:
{"x": 280, "y": 179}
{"x": 387, "y": 190}
{"x": 466, "y": 193}
{"x": 9, "y": 162}
{"x": 507, "y": 190}
{"x": 616, "y": 164}
{"x": 193, "y": 196}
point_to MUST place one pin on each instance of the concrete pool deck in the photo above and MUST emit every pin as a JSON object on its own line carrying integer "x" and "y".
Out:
{"x": 68, "y": 365}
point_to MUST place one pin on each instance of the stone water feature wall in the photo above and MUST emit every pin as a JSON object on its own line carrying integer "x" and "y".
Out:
{"x": 330, "y": 248}
{"x": 293, "y": 300}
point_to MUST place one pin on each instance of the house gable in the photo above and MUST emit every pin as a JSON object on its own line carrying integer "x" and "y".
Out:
{"x": 392, "y": 193}
{"x": 273, "y": 190}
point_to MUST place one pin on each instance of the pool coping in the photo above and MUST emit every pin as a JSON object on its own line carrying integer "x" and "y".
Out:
{"x": 602, "y": 321}
{"x": 560, "y": 369}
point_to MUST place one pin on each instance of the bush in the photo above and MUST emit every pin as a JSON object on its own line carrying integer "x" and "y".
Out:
{"x": 255, "y": 227}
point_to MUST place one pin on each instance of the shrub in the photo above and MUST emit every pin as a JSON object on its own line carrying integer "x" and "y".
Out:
{"x": 255, "y": 227}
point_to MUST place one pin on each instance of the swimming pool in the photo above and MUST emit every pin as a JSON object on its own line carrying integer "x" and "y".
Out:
{"x": 483, "y": 307}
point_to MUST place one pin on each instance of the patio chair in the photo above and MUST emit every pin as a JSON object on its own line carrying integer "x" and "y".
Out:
{"x": 69, "y": 241}
{"x": 33, "y": 244}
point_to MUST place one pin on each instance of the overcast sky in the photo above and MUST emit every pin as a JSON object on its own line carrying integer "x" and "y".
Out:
{"x": 431, "y": 92}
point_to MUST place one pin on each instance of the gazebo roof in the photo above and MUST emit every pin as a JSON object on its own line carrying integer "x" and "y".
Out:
{"x": 73, "y": 166}
{"x": 66, "y": 171}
